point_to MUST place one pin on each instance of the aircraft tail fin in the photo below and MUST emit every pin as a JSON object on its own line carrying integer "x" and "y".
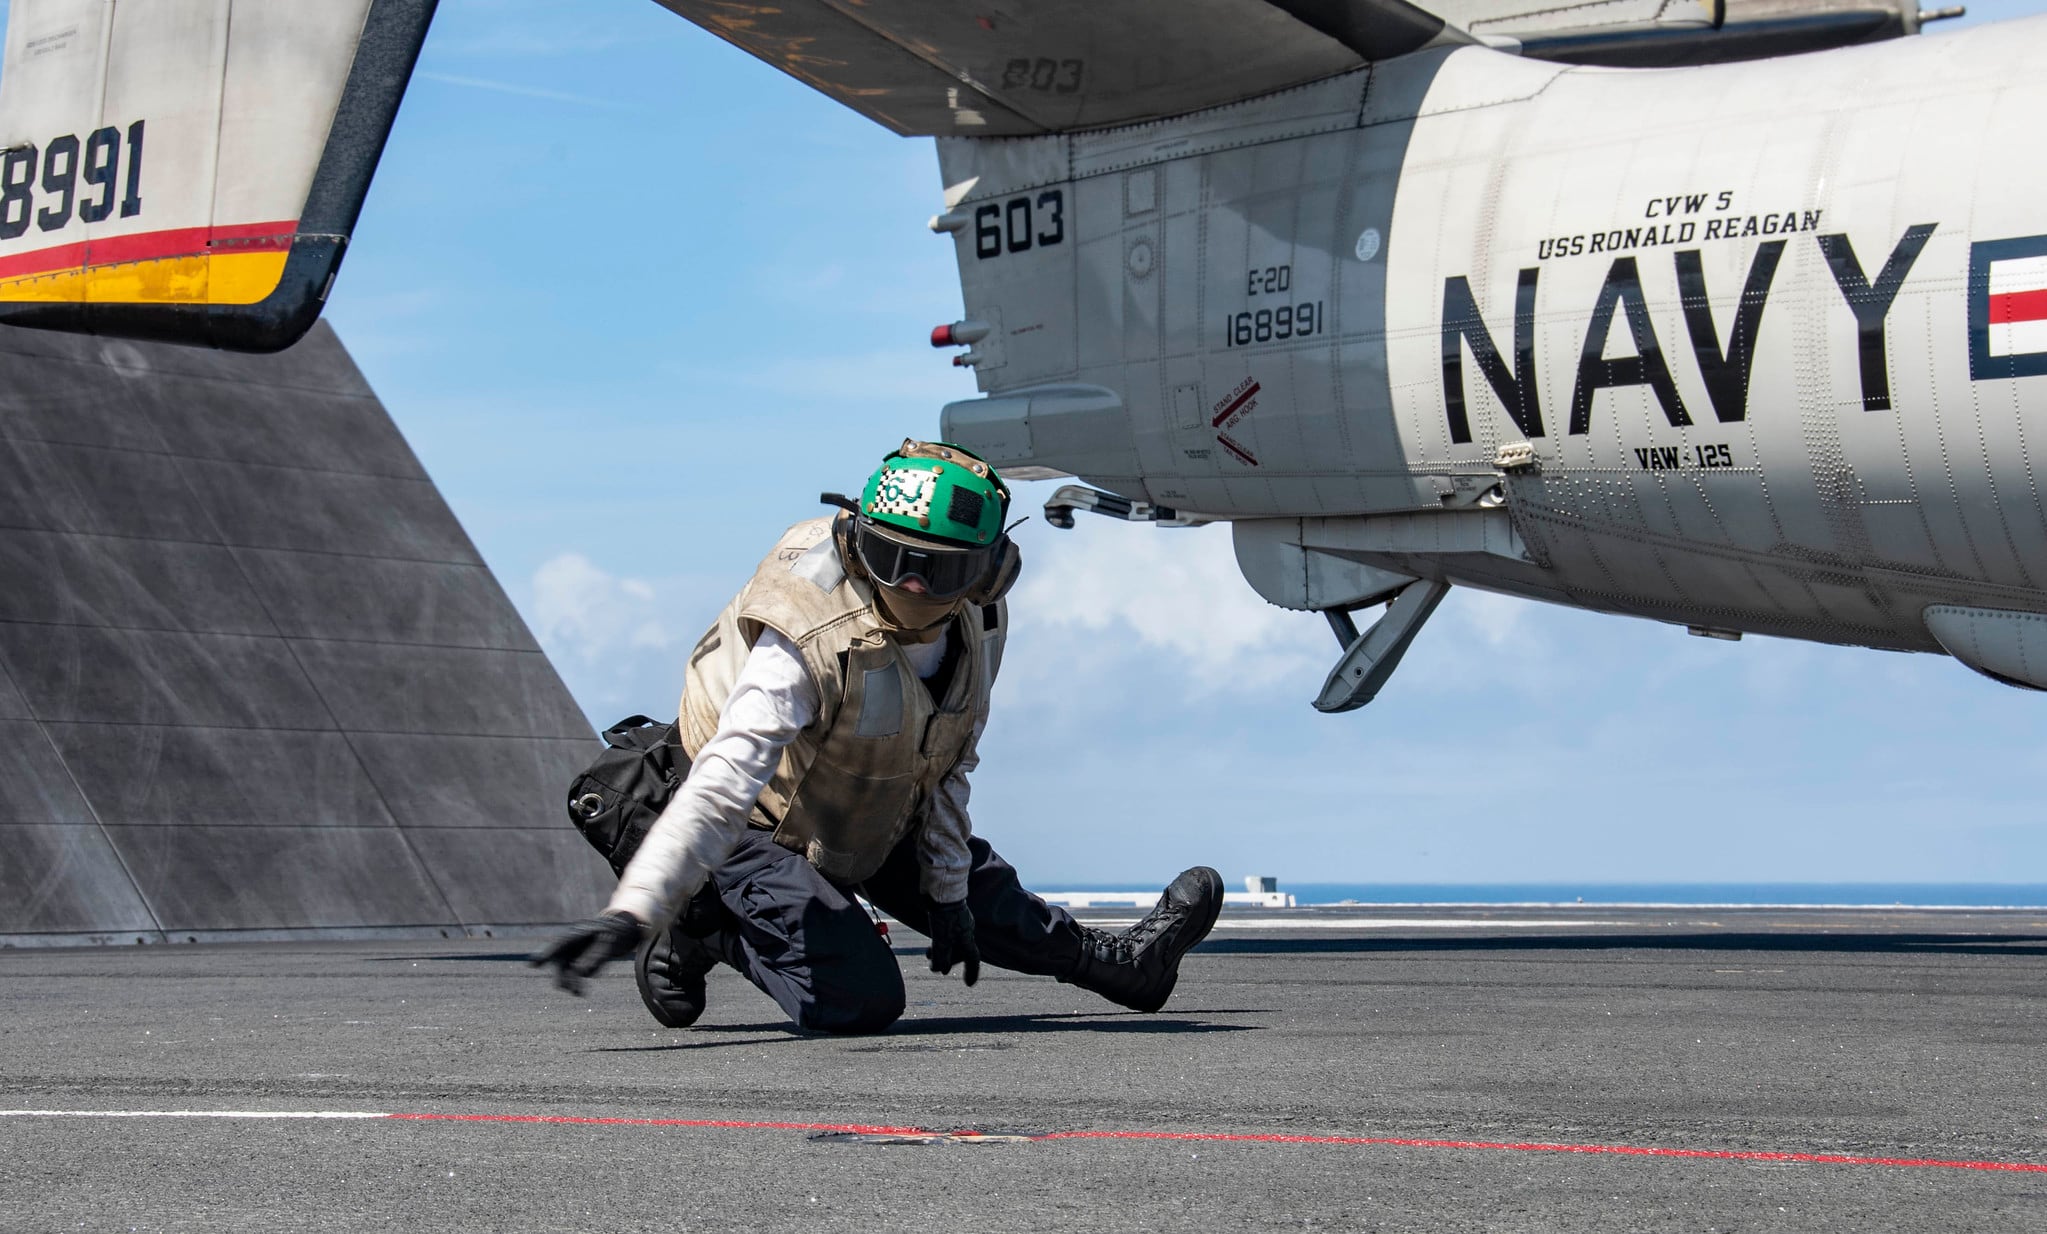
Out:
{"x": 190, "y": 170}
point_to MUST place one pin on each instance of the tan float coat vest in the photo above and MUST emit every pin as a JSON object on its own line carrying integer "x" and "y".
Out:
{"x": 854, "y": 782}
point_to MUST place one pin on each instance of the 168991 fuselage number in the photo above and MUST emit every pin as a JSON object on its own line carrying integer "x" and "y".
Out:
{"x": 1274, "y": 325}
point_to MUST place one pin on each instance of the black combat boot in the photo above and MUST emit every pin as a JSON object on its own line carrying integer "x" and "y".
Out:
{"x": 671, "y": 965}
{"x": 670, "y": 971}
{"x": 1139, "y": 967}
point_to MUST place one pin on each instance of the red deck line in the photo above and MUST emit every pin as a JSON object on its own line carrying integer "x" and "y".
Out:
{"x": 1220, "y": 1137}
{"x": 1621, "y": 1150}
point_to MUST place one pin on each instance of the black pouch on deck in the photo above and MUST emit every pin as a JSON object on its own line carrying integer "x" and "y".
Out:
{"x": 618, "y": 797}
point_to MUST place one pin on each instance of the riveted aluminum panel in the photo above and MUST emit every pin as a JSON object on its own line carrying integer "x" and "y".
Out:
{"x": 2008, "y": 646}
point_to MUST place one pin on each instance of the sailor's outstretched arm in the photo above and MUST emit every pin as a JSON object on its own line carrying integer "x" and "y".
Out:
{"x": 772, "y": 701}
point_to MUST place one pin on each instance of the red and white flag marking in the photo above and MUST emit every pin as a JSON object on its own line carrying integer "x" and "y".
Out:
{"x": 2018, "y": 306}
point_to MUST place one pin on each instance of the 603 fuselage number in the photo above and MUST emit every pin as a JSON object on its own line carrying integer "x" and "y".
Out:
{"x": 65, "y": 163}
{"x": 1019, "y": 224}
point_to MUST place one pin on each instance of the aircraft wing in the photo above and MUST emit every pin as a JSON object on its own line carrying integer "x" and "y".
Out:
{"x": 1007, "y": 68}
{"x": 1662, "y": 33}
{"x": 190, "y": 170}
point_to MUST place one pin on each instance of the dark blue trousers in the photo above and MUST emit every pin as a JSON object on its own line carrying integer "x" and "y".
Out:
{"x": 812, "y": 948}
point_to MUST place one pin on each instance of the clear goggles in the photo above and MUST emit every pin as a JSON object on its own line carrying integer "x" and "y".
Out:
{"x": 945, "y": 572}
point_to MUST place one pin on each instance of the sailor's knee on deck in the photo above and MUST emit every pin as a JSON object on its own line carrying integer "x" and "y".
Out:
{"x": 868, "y": 1011}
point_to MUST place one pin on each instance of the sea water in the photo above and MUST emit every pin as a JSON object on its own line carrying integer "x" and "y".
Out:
{"x": 1958, "y": 895}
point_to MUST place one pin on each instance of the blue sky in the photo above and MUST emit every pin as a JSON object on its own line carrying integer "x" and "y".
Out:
{"x": 636, "y": 298}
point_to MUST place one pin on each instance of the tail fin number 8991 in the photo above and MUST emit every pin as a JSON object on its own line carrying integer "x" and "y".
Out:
{"x": 66, "y": 164}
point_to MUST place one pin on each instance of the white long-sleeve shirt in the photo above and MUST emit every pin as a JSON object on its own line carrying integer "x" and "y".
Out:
{"x": 771, "y": 702}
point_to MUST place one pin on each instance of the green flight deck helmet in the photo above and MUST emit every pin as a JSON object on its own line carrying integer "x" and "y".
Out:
{"x": 936, "y": 489}
{"x": 934, "y": 512}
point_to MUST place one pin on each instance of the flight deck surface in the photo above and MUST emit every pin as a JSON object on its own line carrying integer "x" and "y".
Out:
{"x": 1430, "y": 1068}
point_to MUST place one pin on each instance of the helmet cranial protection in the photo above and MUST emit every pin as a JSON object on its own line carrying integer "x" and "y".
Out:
{"x": 932, "y": 512}
{"x": 932, "y": 489}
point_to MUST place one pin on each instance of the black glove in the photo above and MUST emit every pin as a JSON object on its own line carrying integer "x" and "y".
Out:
{"x": 952, "y": 940}
{"x": 589, "y": 946}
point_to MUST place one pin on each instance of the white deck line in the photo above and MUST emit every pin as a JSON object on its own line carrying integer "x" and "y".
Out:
{"x": 1673, "y": 906}
{"x": 282, "y": 1114}
{"x": 1310, "y": 921}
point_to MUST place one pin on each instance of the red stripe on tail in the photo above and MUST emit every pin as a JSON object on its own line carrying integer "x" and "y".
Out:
{"x": 151, "y": 246}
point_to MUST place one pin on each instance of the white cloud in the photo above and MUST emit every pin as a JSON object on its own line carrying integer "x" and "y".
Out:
{"x": 1176, "y": 595}
{"x": 1170, "y": 604}
{"x": 590, "y": 616}
{"x": 919, "y": 379}
{"x": 534, "y": 40}
{"x": 1497, "y": 619}
{"x": 1501, "y": 644}
{"x": 1172, "y": 592}
{"x": 618, "y": 642}
{"x": 514, "y": 88}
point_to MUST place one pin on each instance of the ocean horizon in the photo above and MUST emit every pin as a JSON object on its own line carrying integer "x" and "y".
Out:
{"x": 1914, "y": 895}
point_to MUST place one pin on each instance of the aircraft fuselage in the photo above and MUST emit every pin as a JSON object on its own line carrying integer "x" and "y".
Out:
{"x": 1755, "y": 347}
